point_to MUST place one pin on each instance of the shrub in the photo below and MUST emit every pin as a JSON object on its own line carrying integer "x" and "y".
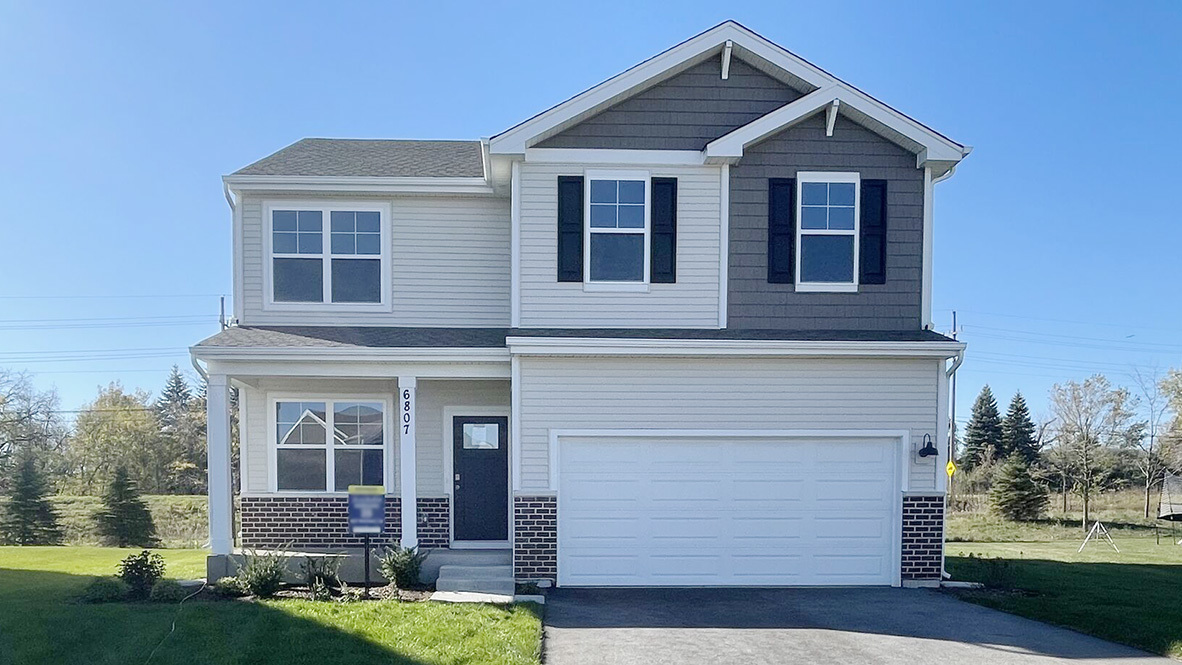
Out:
{"x": 263, "y": 574}
{"x": 168, "y": 591}
{"x": 320, "y": 590}
{"x": 141, "y": 572}
{"x": 228, "y": 587}
{"x": 993, "y": 573}
{"x": 124, "y": 520}
{"x": 322, "y": 570}
{"x": 401, "y": 565}
{"x": 1015, "y": 495}
{"x": 105, "y": 590}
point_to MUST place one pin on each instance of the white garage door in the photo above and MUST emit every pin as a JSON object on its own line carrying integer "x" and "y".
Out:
{"x": 672, "y": 511}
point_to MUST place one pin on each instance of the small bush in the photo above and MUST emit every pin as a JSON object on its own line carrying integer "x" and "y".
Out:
{"x": 320, "y": 590}
{"x": 321, "y": 570}
{"x": 993, "y": 573}
{"x": 401, "y": 565}
{"x": 228, "y": 587}
{"x": 105, "y": 590}
{"x": 168, "y": 591}
{"x": 141, "y": 572}
{"x": 263, "y": 574}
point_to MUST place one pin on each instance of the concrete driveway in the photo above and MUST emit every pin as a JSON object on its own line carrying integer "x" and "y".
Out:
{"x": 905, "y": 626}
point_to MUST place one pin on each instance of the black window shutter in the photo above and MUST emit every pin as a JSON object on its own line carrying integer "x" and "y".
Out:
{"x": 570, "y": 228}
{"x": 663, "y": 263}
{"x": 781, "y": 230}
{"x": 873, "y": 230}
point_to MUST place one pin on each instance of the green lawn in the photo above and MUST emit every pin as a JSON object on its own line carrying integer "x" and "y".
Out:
{"x": 1131, "y": 597}
{"x": 40, "y": 622}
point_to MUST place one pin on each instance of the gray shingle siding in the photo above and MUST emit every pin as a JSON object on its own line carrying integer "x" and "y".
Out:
{"x": 684, "y": 113}
{"x": 754, "y": 303}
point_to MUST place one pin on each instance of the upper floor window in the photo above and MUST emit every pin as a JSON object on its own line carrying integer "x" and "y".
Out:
{"x": 827, "y": 235}
{"x": 325, "y": 445}
{"x": 617, "y": 243}
{"x": 328, "y": 254}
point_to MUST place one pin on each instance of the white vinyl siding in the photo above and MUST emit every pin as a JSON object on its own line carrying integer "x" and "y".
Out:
{"x": 691, "y": 302}
{"x": 433, "y": 397}
{"x": 449, "y": 265}
{"x": 725, "y": 394}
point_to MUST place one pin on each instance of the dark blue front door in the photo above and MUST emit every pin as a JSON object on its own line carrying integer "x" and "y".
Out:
{"x": 480, "y": 490}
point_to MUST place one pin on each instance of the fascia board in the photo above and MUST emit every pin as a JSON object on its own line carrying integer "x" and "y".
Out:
{"x": 771, "y": 348}
{"x": 473, "y": 186}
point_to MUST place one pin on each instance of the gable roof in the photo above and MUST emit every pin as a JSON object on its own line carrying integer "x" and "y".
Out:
{"x": 372, "y": 158}
{"x": 757, "y": 51}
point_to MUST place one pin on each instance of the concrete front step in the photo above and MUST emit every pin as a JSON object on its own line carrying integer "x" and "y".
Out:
{"x": 475, "y": 572}
{"x": 496, "y": 585}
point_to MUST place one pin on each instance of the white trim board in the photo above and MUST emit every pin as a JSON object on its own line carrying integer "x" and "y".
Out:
{"x": 358, "y": 184}
{"x": 686, "y": 347}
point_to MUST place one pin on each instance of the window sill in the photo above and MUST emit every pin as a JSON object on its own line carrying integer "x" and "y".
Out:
{"x": 826, "y": 288}
{"x": 618, "y": 287}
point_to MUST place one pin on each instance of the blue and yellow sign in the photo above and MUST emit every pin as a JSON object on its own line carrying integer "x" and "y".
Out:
{"x": 367, "y": 509}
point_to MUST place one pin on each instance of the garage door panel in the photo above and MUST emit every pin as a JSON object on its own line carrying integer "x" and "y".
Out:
{"x": 727, "y": 511}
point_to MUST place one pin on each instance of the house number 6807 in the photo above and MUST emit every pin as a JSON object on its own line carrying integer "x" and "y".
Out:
{"x": 406, "y": 411}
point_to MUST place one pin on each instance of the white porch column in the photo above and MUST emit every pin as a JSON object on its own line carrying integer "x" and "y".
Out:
{"x": 406, "y": 465}
{"x": 221, "y": 490}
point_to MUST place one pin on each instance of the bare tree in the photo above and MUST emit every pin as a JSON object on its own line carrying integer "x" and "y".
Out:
{"x": 1091, "y": 419}
{"x": 29, "y": 421}
{"x": 1152, "y": 404}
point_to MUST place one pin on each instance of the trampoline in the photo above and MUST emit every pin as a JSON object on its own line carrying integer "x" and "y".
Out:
{"x": 1169, "y": 507}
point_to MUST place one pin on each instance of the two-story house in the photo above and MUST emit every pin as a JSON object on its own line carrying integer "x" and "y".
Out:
{"x": 675, "y": 330}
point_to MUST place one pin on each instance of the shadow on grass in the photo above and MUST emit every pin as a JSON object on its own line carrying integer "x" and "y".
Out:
{"x": 1132, "y": 603}
{"x": 42, "y": 622}
{"x": 924, "y": 615}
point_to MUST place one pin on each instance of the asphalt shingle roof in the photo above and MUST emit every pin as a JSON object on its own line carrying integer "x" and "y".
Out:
{"x": 394, "y": 337}
{"x": 373, "y": 158}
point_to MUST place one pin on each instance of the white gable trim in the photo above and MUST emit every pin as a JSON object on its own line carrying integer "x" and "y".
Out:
{"x": 358, "y": 184}
{"x": 515, "y": 140}
{"x": 935, "y": 147}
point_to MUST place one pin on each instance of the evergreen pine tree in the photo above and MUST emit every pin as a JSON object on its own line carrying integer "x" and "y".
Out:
{"x": 124, "y": 519}
{"x": 982, "y": 437}
{"x": 1018, "y": 432}
{"x": 1015, "y": 495}
{"x": 174, "y": 399}
{"x": 27, "y": 518}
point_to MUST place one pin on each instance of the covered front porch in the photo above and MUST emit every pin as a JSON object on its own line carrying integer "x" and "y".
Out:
{"x": 430, "y": 424}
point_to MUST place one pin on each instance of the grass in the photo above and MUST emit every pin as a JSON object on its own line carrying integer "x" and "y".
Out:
{"x": 181, "y": 521}
{"x": 1131, "y": 596}
{"x": 1122, "y": 512}
{"x": 41, "y": 622}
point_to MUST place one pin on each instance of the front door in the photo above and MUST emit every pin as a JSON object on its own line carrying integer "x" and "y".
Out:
{"x": 480, "y": 487}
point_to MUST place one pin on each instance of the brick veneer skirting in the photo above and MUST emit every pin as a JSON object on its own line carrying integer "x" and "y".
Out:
{"x": 923, "y": 537}
{"x": 434, "y": 523}
{"x": 305, "y": 522}
{"x": 535, "y": 537}
{"x": 322, "y": 522}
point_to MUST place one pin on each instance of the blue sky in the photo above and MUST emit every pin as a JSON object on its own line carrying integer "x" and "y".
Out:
{"x": 1057, "y": 241}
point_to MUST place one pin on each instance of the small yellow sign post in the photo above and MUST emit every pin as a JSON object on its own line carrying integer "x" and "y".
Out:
{"x": 950, "y": 468}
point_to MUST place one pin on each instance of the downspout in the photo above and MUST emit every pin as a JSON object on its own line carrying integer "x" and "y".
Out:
{"x": 951, "y": 372}
{"x": 200, "y": 370}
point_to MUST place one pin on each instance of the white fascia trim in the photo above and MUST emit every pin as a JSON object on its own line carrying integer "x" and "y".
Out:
{"x": 601, "y": 156}
{"x": 724, "y": 235}
{"x": 516, "y": 139}
{"x": 729, "y": 148}
{"x": 515, "y": 245}
{"x": 351, "y": 184}
{"x": 566, "y": 346}
{"x": 925, "y": 313}
{"x": 391, "y": 354}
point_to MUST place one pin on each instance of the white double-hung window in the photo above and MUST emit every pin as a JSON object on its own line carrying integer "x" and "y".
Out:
{"x": 327, "y": 445}
{"x": 617, "y": 242}
{"x": 827, "y": 231}
{"x": 328, "y": 254}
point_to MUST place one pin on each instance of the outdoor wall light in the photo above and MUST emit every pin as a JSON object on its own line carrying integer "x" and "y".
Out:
{"x": 929, "y": 449}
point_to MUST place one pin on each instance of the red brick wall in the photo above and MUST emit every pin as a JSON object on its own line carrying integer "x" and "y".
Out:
{"x": 305, "y": 522}
{"x": 923, "y": 537}
{"x": 535, "y": 537}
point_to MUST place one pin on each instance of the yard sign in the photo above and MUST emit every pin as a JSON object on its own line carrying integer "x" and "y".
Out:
{"x": 367, "y": 509}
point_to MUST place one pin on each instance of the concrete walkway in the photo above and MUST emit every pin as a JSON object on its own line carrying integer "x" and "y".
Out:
{"x": 903, "y": 626}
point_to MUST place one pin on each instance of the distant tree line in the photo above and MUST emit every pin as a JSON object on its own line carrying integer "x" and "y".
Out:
{"x": 1096, "y": 437}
